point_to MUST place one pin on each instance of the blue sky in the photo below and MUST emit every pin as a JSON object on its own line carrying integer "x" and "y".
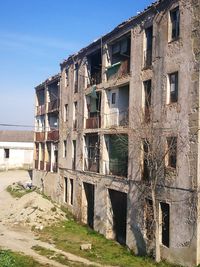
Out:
{"x": 36, "y": 35}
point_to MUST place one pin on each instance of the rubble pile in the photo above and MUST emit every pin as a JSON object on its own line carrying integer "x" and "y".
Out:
{"x": 35, "y": 211}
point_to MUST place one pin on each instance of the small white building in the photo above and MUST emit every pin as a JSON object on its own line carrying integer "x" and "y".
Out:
{"x": 16, "y": 150}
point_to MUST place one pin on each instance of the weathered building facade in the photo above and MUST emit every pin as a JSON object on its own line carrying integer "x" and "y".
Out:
{"x": 142, "y": 76}
{"x": 46, "y": 131}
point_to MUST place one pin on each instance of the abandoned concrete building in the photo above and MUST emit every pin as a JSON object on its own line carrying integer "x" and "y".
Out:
{"x": 90, "y": 124}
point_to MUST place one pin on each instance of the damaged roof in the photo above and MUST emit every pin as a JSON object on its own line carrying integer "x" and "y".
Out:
{"x": 16, "y": 136}
{"x": 115, "y": 30}
{"x": 49, "y": 80}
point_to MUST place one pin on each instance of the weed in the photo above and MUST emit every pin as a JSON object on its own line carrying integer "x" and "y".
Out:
{"x": 17, "y": 192}
{"x": 13, "y": 259}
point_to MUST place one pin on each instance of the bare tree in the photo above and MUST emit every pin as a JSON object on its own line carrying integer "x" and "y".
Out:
{"x": 155, "y": 148}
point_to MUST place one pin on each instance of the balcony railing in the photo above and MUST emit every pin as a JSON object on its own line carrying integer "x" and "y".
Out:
{"x": 40, "y": 110}
{"x": 48, "y": 166}
{"x": 42, "y": 165}
{"x": 118, "y": 70}
{"x": 120, "y": 119}
{"x": 53, "y": 135}
{"x": 93, "y": 123}
{"x": 36, "y": 164}
{"x": 40, "y": 136}
{"x": 116, "y": 167}
{"x": 91, "y": 165}
{"x": 53, "y": 105}
{"x": 147, "y": 58}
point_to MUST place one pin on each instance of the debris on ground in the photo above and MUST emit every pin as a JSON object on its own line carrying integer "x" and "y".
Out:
{"x": 35, "y": 211}
{"x": 86, "y": 246}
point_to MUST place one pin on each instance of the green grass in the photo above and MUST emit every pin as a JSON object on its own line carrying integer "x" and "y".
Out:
{"x": 50, "y": 254}
{"x": 13, "y": 259}
{"x": 69, "y": 235}
{"x": 17, "y": 192}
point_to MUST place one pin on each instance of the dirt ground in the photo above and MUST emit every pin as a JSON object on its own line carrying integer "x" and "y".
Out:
{"x": 15, "y": 233}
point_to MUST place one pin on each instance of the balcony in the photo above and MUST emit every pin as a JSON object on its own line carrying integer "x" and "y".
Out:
{"x": 53, "y": 105}
{"x": 42, "y": 165}
{"x": 40, "y": 136}
{"x": 91, "y": 164}
{"x": 93, "y": 123}
{"x": 119, "y": 119}
{"x": 118, "y": 70}
{"x": 53, "y": 135}
{"x": 40, "y": 110}
{"x": 116, "y": 167}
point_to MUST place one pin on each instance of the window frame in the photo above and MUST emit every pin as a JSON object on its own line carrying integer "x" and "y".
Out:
{"x": 173, "y": 22}
{"x": 173, "y": 94}
{"x": 171, "y": 153}
{"x": 6, "y": 153}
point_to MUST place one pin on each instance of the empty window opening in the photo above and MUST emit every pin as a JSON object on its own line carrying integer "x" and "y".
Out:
{"x": 89, "y": 194}
{"x": 118, "y": 199}
{"x": 76, "y": 69}
{"x": 165, "y": 230}
{"x": 75, "y": 111}
{"x": 117, "y": 149}
{"x": 66, "y": 112}
{"x": 65, "y": 149}
{"x": 6, "y": 153}
{"x": 71, "y": 191}
{"x": 66, "y": 188}
{"x": 171, "y": 151}
{"x": 66, "y": 76}
{"x": 93, "y": 101}
{"x": 95, "y": 64}
{"x": 40, "y": 94}
{"x": 148, "y": 47}
{"x": 53, "y": 121}
{"x": 173, "y": 87}
{"x": 113, "y": 98}
{"x": 53, "y": 97}
{"x": 146, "y": 160}
{"x": 147, "y": 100}
{"x": 92, "y": 153}
{"x": 119, "y": 57}
{"x": 74, "y": 155}
{"x": 121, "y": 50}
{"x": 149, "y": 221}
{"x": 55, "y": 165}
{"x": 175, "y": 23}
